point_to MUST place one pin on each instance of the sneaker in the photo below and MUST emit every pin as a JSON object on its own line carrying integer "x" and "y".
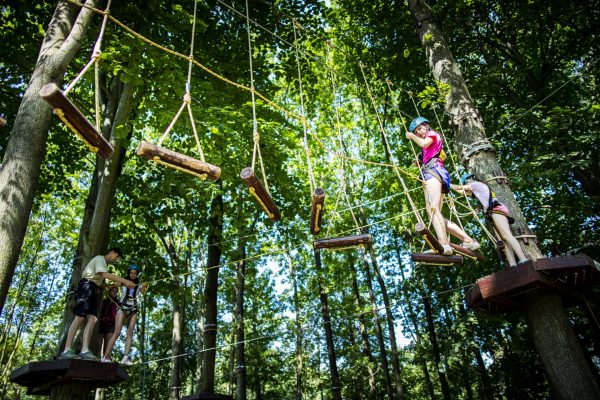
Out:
{"x": 126, "y": 361}
{"x": 106, "y": 360}
{"x": 474, "y": 245}
{"x": 447, "y": 250}
{"x": 67, "y": 354}
{"x": 88, "y": 355}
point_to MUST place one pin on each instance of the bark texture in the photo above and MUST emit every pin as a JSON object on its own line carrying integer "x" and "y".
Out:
{"x": 547, "y": 318}
{"x": 26, "y": 148}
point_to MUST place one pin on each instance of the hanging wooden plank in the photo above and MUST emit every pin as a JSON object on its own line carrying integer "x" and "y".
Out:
{"x": 431, "y": 240}
{"x": 75, "y": 120}
{"x": 317, "y": 209}
{"x": 261, "y": 195}
{"x": 343, "y": 241}
{"x": 466, "y": 252}
{"x": 437, "y": 259}
{"x": 178, "y": 161}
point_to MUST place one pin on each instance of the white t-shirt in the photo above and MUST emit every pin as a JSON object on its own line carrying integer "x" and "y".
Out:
{"x": 481, "y": 192}
{"x": 93, "y": 269}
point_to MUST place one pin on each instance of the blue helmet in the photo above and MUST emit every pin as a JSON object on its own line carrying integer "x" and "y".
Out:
{"x": 135, "y": 267}
{"x": 416, "y": 122}
{"x": 465, "y": 177}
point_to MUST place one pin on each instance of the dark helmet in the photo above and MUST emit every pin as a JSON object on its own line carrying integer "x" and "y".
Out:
{"x": 416, "y": 122}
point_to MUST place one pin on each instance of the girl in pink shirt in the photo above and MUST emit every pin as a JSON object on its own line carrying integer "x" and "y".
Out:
{"x": 437, "y": 182}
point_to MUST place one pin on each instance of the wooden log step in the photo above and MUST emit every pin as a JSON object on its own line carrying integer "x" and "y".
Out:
{"x": 178, "y": 161}
{"x": 431, "y": 240}
{"x": 436, "y": 259}
{"x": 316, "y": 213}
{"x": 343, "y": 241}
{"x": 261, "y": 195}
{"x": 75, "y": 120}
{"x": 466, "y": 252}
{"x": 2, "y": 122}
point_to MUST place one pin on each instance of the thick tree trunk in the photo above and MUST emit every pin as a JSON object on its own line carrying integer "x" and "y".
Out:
{"x": 553, "y": 337}
{"x": 365, "y": 346}
{"x": 486, "y": 392}
{"x": 298, "y": 325}
{"x": 336, "y": 390}
{"x": 211, "y": 286}
{"x": 93, "y": 236}
{"x": 239, "y": 319}
{"x": 379, "y": 332}
{"x": 26, "y": 147}
{"x": 436, "y": 350}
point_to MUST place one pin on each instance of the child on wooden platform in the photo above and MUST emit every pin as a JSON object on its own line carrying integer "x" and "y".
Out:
{"x": 92, "y": 279}
{"x": 127, "y": 314}
{"x": 437, "y": 183}
{"x": 496, "y": 212}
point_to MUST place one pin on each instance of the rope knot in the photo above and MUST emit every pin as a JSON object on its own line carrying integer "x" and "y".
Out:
{"x": 255, "y": 136}
{"x": 187, "y": 98}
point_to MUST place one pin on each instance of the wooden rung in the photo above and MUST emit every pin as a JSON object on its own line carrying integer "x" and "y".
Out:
{"x": 2, "y": 122}
{"x": 466, "y": 252}
{"x": 344, "y": 241}
{"x": 178, "y": 161}
{"x": 436, "y": 259}
{"x": 317, "y": 209}
{"x": 431, "y": 240}
{"x": 75, "y": 120}
{"x": 261, "y": 195}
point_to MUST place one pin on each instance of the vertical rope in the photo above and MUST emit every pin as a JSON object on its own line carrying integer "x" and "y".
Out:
{"x": 311, "y": 177}
{"x": 255, "y": 135}
{"x": 385, "y": 142}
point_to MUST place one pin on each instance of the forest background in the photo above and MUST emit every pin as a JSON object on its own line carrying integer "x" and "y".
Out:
{"x": 357, "y": 71}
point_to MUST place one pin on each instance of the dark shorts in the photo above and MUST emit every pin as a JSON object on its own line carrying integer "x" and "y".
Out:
{"x": 439, "y": 173}
{"x": 86, "y": 299}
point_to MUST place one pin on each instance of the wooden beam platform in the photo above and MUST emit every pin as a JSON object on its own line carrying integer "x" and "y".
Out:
{"x": 41, "y": 377}
{"x": 436, "y": 259}
{"x": 343, "y": 241}
{"x": 178, "y": 161}
{"x": 502, "y": 291}
{"x": 207, "y": 396}
{"x": 256, "y": 188}
{"x": 75, "y": 120}
{"x": 317, "y": 209}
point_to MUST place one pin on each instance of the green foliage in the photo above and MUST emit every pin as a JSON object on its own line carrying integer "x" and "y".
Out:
{"x": 546, "y": 136}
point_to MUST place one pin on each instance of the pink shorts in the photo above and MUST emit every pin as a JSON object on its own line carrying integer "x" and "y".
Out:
{"x": 500, "y": 209}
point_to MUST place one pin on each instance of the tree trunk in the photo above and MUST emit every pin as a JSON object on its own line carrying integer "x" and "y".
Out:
{"x": 239, "y": 319}
{"x": 298, "y": 325}
{"x": 555, "y": 341}
{"x": 436, "y": 350}
{"x": 486, "y": 391}
{"x": 336, "y": 390}
{"x": 382, "y": 350}
{"x": 365, "y": 346}
{"x": 215, "y": 236}
{"x": 26, "y": 147}
{"x": 176, "y": 345}
{"x": 390, "y": 322}
{"x": 93, "y": 236}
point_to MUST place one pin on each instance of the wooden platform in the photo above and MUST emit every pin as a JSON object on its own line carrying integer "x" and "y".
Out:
{"x": 501, "y": 291}
{"x": 207, "y": 396}
{"x": 41, "y": 376}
